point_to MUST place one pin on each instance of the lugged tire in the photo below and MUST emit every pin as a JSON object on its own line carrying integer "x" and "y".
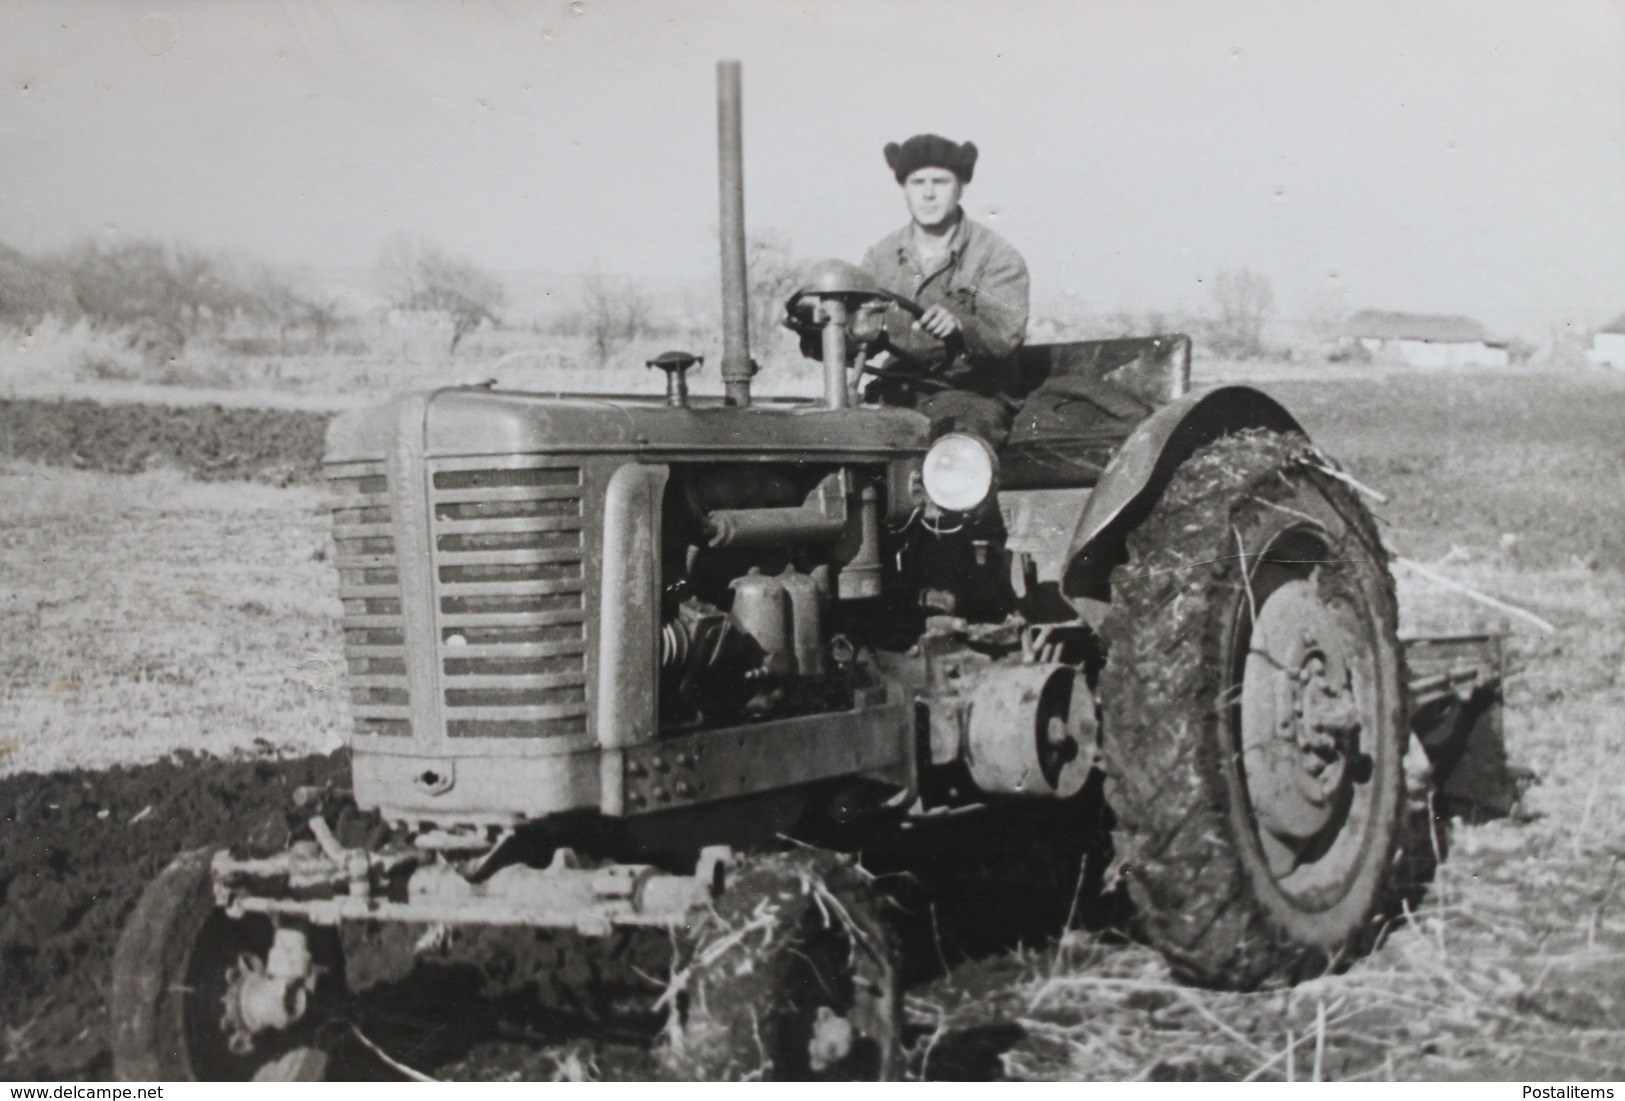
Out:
{"x": 164, "y": 1007}
{"x": 1238, "y": 526}
{"x": 796, "y": 939}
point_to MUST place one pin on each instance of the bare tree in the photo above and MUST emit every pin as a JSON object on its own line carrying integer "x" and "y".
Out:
{"x": 613, "y": 313}
{"x": 396, "y": 269}
{"x": 770, "y": 277}
{"x": 31, "y": 287}
{"x": 417, "y": 274}
{"x": 1244, "y": 302}
{"x": 163, "y": 295}
{"x": 277, "y": 301}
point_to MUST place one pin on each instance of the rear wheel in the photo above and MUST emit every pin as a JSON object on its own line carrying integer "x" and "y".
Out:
{"x": 1254, "y": 719}
{"x": 179, "y": 973}
{"x": 791, "y": 975}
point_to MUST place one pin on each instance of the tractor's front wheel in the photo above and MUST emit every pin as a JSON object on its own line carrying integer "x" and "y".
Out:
{"x": 200, "y": 996}
{"x": 1253, "y": 716}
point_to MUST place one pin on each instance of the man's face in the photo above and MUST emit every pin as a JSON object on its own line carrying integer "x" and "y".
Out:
{"x": 933, "y": 196}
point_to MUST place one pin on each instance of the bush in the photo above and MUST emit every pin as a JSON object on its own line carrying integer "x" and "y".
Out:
{"x": 1244, "y": 301}
{"x": 32, "y": 289}
{"x": 57, "y": 351}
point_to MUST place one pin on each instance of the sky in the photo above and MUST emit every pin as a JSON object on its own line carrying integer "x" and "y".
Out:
{"x": 1436, "y": 156}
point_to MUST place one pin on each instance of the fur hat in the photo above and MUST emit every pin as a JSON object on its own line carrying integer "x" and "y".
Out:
{"x": 931, "y": 151}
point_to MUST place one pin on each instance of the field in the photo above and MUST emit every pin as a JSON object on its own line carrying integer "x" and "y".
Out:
{"x": 148, "y": 613}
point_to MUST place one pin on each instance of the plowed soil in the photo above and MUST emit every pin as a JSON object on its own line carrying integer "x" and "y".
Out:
{"x": 78, "y": 847}
{"x": 76, "y": 850}
{"x": 211, "y": 442}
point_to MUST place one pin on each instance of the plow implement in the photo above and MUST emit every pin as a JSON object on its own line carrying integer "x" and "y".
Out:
{"x": 1454, "y": 684}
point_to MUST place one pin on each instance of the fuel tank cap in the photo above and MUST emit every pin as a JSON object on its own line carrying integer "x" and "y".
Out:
{"x": 676, "y": 365}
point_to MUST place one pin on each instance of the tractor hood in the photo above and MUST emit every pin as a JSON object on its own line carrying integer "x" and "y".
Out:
{"x": 468, "y": 421}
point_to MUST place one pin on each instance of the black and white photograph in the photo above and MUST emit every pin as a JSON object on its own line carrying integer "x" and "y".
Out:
{"x": 627, "y": 541}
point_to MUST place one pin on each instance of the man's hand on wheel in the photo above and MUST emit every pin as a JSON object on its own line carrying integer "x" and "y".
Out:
{"x": 939, "y": 321}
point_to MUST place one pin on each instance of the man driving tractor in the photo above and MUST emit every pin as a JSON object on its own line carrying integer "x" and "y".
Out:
{"x": 972, "y": 284}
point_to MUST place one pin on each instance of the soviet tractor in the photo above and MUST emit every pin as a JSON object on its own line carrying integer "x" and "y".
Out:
{"x": 676, "y": 665}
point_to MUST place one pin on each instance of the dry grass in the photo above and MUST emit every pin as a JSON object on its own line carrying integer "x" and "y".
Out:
{"x": 143, "y": 614}
{"x": 1512, "y": 967}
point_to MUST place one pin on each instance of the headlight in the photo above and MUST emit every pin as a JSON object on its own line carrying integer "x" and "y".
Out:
{"x": 959, "y": 472}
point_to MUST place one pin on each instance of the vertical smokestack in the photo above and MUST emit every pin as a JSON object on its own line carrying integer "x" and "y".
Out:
{"x": 736, "y": 365}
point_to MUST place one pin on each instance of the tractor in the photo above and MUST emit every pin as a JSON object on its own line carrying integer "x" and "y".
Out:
{"x": 675, "y": 665}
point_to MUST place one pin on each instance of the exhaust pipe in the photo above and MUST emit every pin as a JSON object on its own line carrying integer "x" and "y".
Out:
{"x": 736, "y": 364}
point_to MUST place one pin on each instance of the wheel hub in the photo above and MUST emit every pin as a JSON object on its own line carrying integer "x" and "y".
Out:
{"x": 1300, "y": 718}
{"x": 269, "y": 995}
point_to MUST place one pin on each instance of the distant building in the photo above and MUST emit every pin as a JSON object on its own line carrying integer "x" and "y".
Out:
{"x": 1608, "y": 344}
{"x": 1421, "y": 340}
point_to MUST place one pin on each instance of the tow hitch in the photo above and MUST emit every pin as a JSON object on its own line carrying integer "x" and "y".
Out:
{"x": 1455, "y": 708}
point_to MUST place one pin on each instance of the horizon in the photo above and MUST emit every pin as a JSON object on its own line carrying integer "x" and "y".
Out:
{"x": 1458, "y": 158}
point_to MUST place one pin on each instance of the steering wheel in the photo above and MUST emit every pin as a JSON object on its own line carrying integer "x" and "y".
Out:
{"x": 907, "y": 305}
{"x": 907, "y": 368}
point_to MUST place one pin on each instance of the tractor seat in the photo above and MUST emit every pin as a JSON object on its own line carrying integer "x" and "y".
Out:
{"x": 1082, "y": 400}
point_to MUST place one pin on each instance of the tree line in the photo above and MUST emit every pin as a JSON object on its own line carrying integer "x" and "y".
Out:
{"x": 161, "y": 297}
{"x": 164, "y": 296}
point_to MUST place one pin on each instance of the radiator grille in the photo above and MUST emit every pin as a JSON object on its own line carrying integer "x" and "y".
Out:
{"x": 510, "y": 591}
{"x": 369, "y": 588}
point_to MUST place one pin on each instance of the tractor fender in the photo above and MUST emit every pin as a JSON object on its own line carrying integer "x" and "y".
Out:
{"x": 1148, "y": 458}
